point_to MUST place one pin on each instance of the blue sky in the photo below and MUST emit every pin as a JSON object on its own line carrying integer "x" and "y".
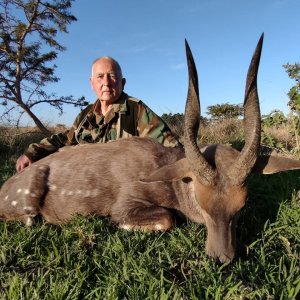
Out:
{"x": 147, "y": 38}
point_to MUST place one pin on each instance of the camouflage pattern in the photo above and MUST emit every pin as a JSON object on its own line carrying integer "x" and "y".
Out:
{"x": 128, "y": 117}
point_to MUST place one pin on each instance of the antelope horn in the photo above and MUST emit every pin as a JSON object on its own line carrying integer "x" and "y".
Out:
{"x": 198, "y": 164}
{"x": 252, "y": 127}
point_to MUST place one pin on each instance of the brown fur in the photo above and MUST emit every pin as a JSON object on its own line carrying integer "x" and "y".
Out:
{"x": 81, "y": 180}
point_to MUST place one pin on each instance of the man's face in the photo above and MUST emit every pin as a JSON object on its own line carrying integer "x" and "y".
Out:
{"x": 107, "y": 81}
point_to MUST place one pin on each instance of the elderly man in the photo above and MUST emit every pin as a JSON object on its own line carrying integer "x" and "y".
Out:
{"x": 113, "y": 116}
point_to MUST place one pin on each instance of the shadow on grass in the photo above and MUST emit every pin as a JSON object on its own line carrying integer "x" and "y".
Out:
{"x": 266, "y": 194}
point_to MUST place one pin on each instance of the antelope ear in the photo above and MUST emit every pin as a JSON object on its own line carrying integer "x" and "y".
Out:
{"x": 175, "y": 171}
{"x": 274, "y": 163}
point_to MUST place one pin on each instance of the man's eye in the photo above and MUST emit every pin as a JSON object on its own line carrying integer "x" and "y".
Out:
{"x": 113, "y": 76}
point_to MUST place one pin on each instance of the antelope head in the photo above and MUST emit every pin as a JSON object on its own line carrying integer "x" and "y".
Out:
{"x": 217, "y": 174}
{"x": 220, "y": 173}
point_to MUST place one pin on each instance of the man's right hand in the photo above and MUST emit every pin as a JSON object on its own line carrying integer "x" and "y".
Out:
{"x": 22, "y": 162}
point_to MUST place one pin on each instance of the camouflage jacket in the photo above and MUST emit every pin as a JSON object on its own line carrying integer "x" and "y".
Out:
{"x": 128, "y": 117}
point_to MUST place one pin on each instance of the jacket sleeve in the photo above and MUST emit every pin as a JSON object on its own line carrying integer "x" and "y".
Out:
{"x": 46, "y": 146}
{"x": 51, "y": 144}
{"x": 151, "y": 125}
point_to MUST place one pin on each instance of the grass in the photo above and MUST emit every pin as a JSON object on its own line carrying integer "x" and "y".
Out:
{"x": 91, "y": 258}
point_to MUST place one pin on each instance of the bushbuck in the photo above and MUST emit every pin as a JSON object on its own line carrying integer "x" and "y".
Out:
{"x": 139, "y": 183}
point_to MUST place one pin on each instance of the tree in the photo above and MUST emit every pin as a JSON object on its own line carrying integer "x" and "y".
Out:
{"x": 174, "y": 119}
{"x": 294, "y": 93}
{"x": 225, "y": 111}
{"x": 275, "y": 118}
{"x": 175, "y": 122}
{"x": 28, "y": 46}
{"x": 294, "y": 102}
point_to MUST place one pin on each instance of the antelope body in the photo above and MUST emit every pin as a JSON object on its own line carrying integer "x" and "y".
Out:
{"x": 138, "y": 182}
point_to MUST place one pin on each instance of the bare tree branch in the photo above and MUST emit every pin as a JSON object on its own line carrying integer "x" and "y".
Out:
{"x": 26, "y": 67}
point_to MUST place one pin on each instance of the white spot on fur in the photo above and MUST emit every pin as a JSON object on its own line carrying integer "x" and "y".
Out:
{"x": 70, "y": 193}
{"x": 78, "y": 192}
{"x": 29, "y": 221}
{"x": 32, "y": 195}
{"x": 6, "y": 197}
{"x": 26, "y": 192}
{"x": 19, "y": 191}
{"x": 52, "y": 187}
{"x": 14, "y": 203}
{"x": 28, "y": 208}
{"x": 158, "y": 227}
{"x": 63, "y": 192}
{"x": 126, "y": 226}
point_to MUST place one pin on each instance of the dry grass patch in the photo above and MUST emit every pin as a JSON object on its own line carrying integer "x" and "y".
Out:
{"x": 281, "y": 135}
{"x": 226, "y": 132}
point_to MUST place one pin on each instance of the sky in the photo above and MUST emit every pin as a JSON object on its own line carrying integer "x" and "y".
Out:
{"x": 147, "y": 39}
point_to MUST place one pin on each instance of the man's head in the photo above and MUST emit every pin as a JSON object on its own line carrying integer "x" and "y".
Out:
{"x": 107, "y": 80}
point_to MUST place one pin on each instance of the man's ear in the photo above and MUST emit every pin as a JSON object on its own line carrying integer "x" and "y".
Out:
{"x": 123, "y": 83}
{"x": 91, "y": 83}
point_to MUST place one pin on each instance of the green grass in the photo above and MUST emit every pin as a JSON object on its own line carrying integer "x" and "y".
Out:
{"x": 91, "y": 258}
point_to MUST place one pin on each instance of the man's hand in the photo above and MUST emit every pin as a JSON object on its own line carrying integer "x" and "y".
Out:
{"x": 22, "y": 162}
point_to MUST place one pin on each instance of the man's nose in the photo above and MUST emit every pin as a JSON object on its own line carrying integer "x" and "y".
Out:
{"x": 106, "y": 79}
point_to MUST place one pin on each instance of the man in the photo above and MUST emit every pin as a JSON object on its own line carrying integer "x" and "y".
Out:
{"x": 114, "y": 115}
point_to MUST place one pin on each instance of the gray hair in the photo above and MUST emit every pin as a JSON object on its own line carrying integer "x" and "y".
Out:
{"x": 113, "y": 61}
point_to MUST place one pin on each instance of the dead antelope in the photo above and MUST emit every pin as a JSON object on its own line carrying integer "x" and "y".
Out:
{"x": 142, "y": 182}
